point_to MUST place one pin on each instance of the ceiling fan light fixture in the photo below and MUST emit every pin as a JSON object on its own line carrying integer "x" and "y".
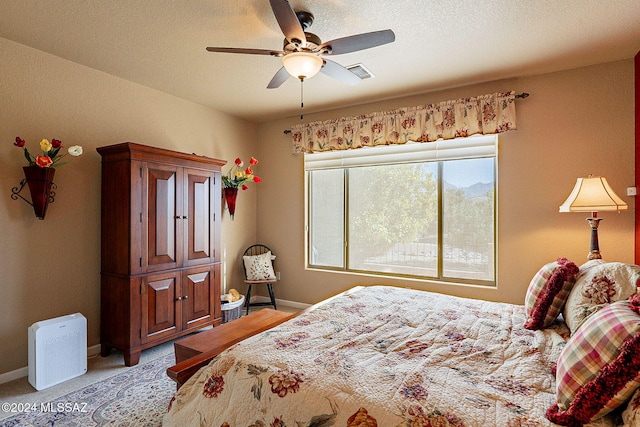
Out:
{"x": 302, "y": 65}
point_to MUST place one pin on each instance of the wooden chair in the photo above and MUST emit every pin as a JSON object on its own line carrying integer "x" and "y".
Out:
{"x": 267, "y": 274}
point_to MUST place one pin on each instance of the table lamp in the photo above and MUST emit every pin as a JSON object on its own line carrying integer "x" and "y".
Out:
{"x": 593, "y": 194}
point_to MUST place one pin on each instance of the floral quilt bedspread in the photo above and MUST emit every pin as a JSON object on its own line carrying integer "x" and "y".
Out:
{"x": 382, "y": 356}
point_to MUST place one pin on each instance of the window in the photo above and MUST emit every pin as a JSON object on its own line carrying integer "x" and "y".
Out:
{"x": 424, "y": 210}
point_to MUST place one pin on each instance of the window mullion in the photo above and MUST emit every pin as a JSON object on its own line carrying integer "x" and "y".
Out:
{"x": 440, "y": 221}
{"x": 345, "y": 219}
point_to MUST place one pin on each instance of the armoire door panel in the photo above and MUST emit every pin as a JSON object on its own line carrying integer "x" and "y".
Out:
{"x": 200, "y": 220}
{"x": 199, "y": 224}
{"x": 163, "y": 235}
{"x": 159, "y": 305}
{"x": 201, "y": 290}
{"x": 198, "y": 307}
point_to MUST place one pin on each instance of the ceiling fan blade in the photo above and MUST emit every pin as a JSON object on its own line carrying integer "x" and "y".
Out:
{"x": 357, "y": 42}
{"x": 280, "y": 77}
{"x": 288, "y": 21}
{"x": 338, "y": 72}
{"x": 249, "y": 51}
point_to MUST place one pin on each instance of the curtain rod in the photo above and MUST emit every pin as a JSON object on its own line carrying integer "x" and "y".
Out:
{"x": 522, "y": 95}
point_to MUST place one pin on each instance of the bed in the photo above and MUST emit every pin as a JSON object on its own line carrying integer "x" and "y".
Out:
{"x": 386, "y": 356}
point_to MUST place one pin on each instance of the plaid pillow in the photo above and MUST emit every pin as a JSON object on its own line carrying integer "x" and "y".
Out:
{"x": 548, "y": 292}
{"x": 598, "y": 370}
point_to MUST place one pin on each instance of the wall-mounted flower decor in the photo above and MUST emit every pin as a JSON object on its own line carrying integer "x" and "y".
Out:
{"x": 50, "y": 157}
{"x": 238, "y": 177}
{"x": 40, "y": 171}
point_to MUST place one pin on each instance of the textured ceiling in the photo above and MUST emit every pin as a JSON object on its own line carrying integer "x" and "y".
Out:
{"x": 439, "y": 43}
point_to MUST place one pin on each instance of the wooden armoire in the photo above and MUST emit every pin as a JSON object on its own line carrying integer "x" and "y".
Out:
{"x": 160, "y": 231}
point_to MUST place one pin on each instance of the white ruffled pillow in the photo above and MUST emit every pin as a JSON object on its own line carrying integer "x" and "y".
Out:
{"x": 599, "y": 283}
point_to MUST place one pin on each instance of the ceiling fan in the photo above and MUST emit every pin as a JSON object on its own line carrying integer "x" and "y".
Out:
{"x": 304, "y": 54}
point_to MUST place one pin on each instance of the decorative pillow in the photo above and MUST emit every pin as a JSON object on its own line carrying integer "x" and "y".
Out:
{"x": 597, "y": 284}
{"x": 259, "y": 267}
{"x": 598, "y": 370}
{"x": 547, "y": 293}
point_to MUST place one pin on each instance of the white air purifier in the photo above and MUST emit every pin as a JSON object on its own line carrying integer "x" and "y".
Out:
{"x": 57, "y": 350}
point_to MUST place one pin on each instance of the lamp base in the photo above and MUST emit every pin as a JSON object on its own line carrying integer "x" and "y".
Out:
{"x": 594, "y": 249}
{"x": 594, "y": 255}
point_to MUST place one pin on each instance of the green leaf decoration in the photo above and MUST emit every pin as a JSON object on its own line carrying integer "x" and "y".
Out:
{"x": 27, "y": 156}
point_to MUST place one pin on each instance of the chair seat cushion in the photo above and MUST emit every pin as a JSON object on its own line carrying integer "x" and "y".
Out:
{"x": 259, "y": 267}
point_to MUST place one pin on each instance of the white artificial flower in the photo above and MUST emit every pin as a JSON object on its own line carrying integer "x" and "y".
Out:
{"x": 75, "y": 150}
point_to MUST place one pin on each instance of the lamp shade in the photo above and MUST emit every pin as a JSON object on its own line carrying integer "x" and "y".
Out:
{"x": 593, "y": 194}
{"x": 302, "y": 65}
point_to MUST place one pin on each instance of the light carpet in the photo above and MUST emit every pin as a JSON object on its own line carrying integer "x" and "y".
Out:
{"x": 137, "y": 397}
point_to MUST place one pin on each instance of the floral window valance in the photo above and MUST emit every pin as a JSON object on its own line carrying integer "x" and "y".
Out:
{"x": 486, "y": 114}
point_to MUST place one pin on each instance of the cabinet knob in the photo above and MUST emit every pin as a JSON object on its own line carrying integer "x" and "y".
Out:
{"x": 185, "y": 217}
{"x": 178, "y": 299}
{"x": 185, "y": 297}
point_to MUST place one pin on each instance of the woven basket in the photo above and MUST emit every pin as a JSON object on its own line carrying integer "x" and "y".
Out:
{"x": 233, "y": 310}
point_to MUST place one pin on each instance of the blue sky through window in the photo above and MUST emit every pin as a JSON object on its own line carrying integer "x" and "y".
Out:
{"x": 464, "y": 173}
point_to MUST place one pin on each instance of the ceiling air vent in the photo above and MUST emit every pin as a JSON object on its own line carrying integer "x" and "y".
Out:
{"x": 360, "y": 71}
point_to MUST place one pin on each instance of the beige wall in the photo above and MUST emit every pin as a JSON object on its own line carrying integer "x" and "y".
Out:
{"x": 51, "y": 268}
{"x": 575, "y": 123}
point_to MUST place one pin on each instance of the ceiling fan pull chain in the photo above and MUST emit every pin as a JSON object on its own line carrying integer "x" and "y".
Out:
{"x": 301, "y": 97}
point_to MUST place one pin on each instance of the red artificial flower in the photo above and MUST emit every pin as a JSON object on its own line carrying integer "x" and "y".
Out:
{"x": 19, "y": 142}
{"x": 238, "y": 175}
{"x": 56, "y": 143}
{"x": 43, "y": 161}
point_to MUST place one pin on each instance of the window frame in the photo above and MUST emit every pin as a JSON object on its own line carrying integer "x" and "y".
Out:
{"x": 439, "y": 155}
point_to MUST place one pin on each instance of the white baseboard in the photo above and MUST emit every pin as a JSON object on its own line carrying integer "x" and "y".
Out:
{"x": 92, "y": 351}
{"x": 283, "y": 302}
{"x": 13, "y": 375}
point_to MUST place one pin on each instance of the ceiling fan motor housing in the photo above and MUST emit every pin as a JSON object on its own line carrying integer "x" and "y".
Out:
{"x": 313, "y": 42}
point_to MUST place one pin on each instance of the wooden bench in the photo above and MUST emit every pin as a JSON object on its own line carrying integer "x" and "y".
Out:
{"x": 197, "y": 350}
